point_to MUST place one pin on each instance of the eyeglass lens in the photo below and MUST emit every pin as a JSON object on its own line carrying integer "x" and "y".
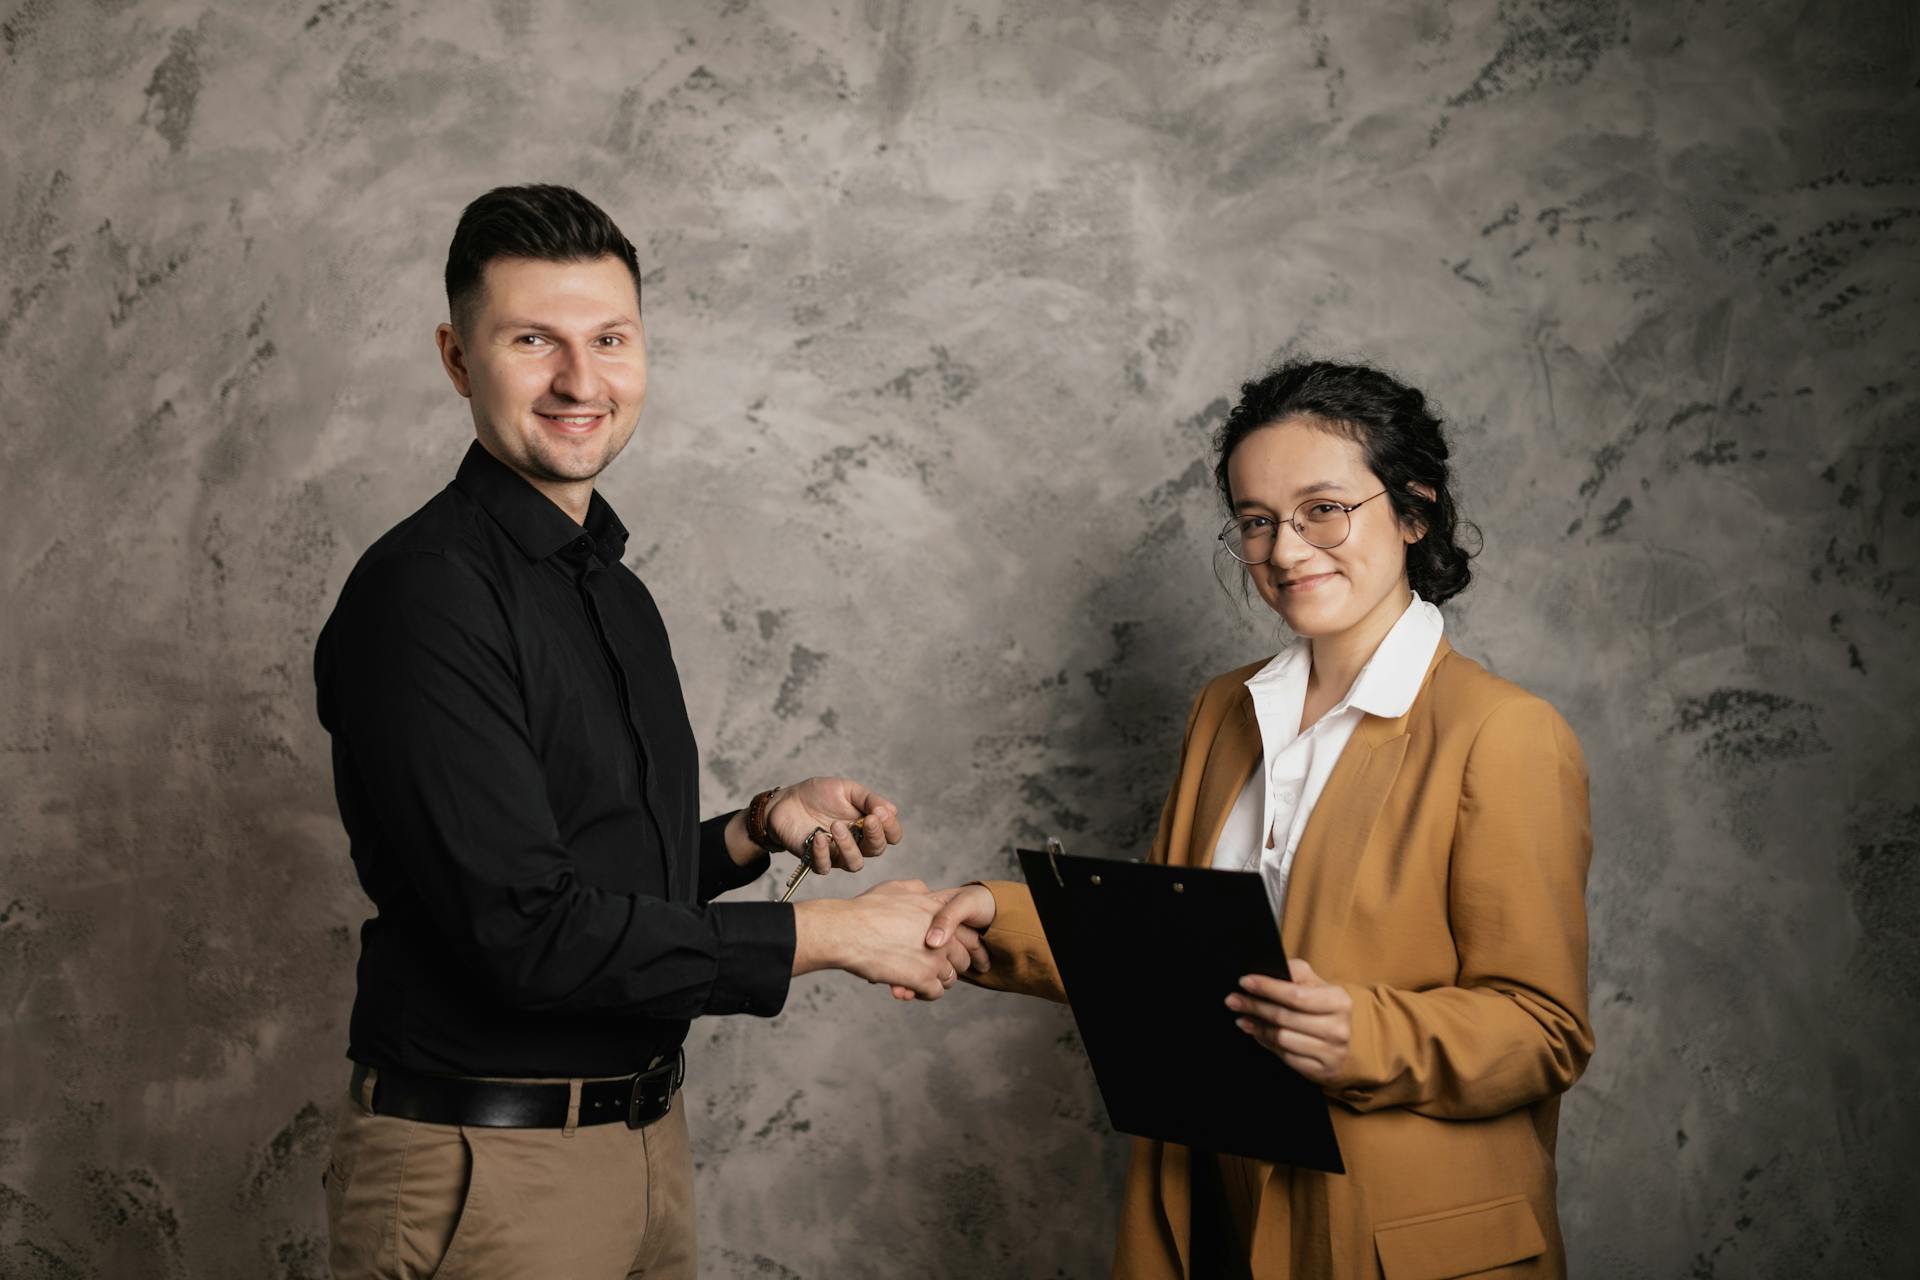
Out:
{"x": 1321, "y": 523}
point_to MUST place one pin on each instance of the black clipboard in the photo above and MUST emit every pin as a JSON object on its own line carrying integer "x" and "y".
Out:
{"x": 1148, "y": 954}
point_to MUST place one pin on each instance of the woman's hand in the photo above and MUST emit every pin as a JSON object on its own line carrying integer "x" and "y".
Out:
{"x": 1308, "y": 1021}
{"x": 970, "y": 906}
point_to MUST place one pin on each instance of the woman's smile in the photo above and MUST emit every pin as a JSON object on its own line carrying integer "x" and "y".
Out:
{"x": 1305, "y": 583}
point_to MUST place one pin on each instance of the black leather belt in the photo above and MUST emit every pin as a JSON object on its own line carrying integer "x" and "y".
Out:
{"x": 638, "y": 1100}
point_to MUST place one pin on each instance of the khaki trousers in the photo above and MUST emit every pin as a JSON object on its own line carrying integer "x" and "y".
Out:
{"x": 407, "y": 1200}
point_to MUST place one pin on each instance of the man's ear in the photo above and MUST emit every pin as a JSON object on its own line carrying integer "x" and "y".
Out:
{"x": 453, "y": 358}
{"x": 1413, "y": 531}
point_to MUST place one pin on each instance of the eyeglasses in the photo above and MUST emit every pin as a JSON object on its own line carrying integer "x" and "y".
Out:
{"x": 1320, "y": 522}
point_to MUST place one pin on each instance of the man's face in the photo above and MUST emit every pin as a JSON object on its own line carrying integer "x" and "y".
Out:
{"x": 555, "y": 364}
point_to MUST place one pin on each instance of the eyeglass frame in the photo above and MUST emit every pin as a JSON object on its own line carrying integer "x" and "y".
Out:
{"x": 1294, "y": 522}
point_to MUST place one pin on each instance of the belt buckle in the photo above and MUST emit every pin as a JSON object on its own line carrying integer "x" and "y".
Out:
{"x": 676, "y": 1073}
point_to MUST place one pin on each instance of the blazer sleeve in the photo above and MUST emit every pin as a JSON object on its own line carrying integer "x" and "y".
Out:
{"x": 1513, "y": 1029}
{"x": 1017, "y": 945}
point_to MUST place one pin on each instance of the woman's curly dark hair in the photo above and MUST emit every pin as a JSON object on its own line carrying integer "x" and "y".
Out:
{"x": 1401, "y": 436}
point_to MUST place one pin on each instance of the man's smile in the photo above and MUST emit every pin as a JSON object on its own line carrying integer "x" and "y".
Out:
{"x": 573, "y": 423}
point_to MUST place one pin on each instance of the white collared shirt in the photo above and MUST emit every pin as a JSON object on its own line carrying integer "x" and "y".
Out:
{"x": 1295, "y": 763}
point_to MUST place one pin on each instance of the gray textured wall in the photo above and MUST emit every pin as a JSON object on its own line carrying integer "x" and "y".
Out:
{"x": 944, "y": 299}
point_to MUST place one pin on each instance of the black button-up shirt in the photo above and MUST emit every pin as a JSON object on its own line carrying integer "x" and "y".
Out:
{"x": 520, "y": 785}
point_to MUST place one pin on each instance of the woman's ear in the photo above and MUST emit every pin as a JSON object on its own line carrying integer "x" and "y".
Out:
{"x": 1413, "y": 530}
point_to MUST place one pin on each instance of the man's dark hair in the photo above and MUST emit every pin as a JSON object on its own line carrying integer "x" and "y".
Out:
{"x": 1400, "y": 433}
{"x": 546, "y": 223}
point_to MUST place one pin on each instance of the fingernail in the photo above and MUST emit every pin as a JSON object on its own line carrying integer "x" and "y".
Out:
{"x": 1245, "y": 1024}
{"x": 1233, "y": 1002}
{"x": 937, "y": 937}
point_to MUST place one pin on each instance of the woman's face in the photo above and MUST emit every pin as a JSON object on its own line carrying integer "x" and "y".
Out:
{"x": 1321, "y": 593}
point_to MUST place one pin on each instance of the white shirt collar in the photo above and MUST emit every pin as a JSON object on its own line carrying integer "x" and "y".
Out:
{"x": 1386, "y": 686}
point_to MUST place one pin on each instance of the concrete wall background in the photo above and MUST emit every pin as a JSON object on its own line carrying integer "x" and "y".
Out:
{"x": 944, "y": 299}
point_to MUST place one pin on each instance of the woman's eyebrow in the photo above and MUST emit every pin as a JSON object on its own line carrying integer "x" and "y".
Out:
{"x": 1318, "y": 486}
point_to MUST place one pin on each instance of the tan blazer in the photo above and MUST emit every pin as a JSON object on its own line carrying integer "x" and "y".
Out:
{"x": 1440, "y": 879}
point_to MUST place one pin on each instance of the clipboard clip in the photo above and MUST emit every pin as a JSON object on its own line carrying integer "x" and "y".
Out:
{"x": 1054, "y": 849}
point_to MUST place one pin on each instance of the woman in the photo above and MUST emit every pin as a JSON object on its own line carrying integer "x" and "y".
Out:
{"x": 1421, "y": 828}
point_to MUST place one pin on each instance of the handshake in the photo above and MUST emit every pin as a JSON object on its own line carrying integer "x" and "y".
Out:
{"x": 919, "y": 941}
{"x": 915, "y": 940}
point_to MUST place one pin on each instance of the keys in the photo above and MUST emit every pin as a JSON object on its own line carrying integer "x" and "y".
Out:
{"x": 801, "y": 872}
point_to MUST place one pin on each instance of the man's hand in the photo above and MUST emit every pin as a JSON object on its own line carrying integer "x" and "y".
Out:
{"x": 961, "y": 942}
{"x": 881, "y": 936}
{"x": 835, "y": 804}
{"x": 1308, "y": 1022}
{"x": 956, "y": 927}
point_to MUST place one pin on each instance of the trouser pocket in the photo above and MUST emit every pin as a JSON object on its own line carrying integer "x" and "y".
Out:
{"x": 397, "y": 1193}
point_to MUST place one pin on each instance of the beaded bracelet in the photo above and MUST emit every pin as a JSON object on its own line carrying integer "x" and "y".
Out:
{"x": 757, "y": 829}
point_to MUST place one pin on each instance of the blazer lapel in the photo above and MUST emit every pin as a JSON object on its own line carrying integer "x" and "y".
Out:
{"x": 1327, "y": 864}
{"x": 1320, "y": 890}
{"x": 1231, "y": 758}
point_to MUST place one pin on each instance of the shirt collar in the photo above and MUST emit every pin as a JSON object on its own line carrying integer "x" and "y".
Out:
{"x": 1389, "y": 682}
{"x": 537, "y": 526}
{"x": 1292, "y": 663}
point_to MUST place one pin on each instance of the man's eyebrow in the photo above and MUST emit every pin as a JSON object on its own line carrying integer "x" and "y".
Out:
{"x": 615, "y": 322}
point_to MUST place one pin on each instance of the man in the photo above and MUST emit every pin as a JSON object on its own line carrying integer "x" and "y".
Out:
{"x": 518, "y": 778}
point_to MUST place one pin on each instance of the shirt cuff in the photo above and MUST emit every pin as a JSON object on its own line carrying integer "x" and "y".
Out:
{"x": 718, "y": 871}
{"x": 755, "y": 957}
